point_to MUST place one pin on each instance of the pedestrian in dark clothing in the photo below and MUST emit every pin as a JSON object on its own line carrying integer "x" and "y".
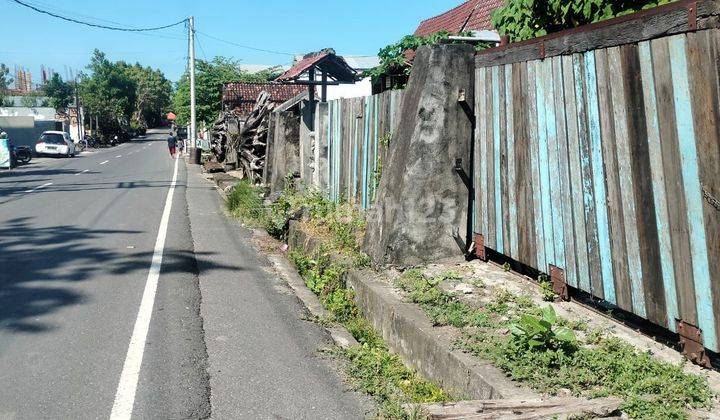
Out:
{"x": 172, "y": 144}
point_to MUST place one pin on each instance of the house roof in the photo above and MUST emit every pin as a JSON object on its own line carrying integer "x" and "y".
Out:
{"x": 327, "y": 61}
{"x": 244, "y": 95}
{"x": 362, "y": 62}
{"x": 471, "y": 15}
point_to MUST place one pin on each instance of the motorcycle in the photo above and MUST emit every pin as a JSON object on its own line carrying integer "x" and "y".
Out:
{"x": 23, "y": 154}
{"x": 90, "y": 141}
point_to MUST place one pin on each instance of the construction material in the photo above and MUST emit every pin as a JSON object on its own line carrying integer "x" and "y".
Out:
{"x": 558, "y": 408}
{"x": 240, "y": 143}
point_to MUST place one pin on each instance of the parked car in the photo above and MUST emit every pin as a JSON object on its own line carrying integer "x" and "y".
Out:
{"x": 56, "y": 143}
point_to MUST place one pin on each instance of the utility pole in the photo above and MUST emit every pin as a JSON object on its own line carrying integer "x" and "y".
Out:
{"x": 193, "y": 128}
{"x": 78, "y": 117}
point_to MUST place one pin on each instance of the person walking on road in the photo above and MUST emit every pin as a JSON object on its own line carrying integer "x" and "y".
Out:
{"x": 172, "y": 144}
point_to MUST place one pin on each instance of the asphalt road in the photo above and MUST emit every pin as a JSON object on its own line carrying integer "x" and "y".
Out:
{"x": 79, "y": 238}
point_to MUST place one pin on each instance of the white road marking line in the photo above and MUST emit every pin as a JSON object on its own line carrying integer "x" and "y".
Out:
{"x": 102, "y": 163}
{"x": 38, "y": 187}
{"x": 127, "y": 387}
{"x": 86, "y": 170}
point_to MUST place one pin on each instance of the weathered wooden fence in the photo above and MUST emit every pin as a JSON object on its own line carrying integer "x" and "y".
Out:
{"x": 352, "y": 138}
{"x": 606, "y": 164}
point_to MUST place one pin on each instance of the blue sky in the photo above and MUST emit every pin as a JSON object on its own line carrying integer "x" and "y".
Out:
{"x": 351, "y": 27}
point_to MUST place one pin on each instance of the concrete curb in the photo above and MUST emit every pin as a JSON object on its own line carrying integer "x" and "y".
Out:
{"x": 339, "y": 334}
{"x": 410, "y": 334}
{"x": 405, "y": 328}
{"x": 287, "y": 271}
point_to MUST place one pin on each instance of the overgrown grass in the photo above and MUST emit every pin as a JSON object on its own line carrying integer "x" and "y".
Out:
{"x": 343, "y": 223}
{"x": 245, "y": 201}
{"x": 593, "y": 366}
{"x": 371, "y": 366}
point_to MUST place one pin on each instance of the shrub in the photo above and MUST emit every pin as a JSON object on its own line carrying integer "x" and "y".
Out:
{"x": 245, "y": 202}
{"x": 526, "y": 19}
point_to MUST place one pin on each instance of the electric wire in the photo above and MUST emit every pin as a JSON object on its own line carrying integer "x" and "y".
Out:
{"x": 244, "y": 46}
{"x": 94, "y": 25}
{"x": 202, "y": 50}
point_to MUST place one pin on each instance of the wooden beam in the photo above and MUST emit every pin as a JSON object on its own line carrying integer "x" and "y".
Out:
{"x": 674, "y": 18}
{"x": 315, "y": 83}
{"x": 323, "y": 96}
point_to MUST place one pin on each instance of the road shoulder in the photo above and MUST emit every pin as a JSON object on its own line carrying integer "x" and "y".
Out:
{"x": 264, "y": 359}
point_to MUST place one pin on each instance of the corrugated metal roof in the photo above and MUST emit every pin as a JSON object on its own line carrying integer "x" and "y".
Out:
{"x": 468, "y": 16}
{"x": 362, "y": 62}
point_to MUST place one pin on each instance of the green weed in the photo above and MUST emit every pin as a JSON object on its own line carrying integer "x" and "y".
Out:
{"x": 372, "y": 367}
{"x": 245, "y": 202}
{"x": 542, "y": 351}
{"x": 546, "y": 288}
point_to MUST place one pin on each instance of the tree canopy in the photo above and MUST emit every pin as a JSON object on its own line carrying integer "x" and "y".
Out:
{"x": 5, "y": 81}
{"x": 209, "y": 78}
{"x": 153, "y": 95}
{"x": 59, "y": 92}
{"x": 526, "y": 19}
{"x": 120, "y": 94}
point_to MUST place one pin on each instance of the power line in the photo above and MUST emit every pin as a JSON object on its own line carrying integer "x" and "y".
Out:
{"x": 201, "y": 48}
{"x": 94, "y": 25}
{"x": 244, "y": 46}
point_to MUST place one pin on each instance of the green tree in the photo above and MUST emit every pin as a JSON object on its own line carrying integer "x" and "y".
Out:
{"x": 525, "y": 19}
{"x": 59, "y": 92}
{"x": 33, "y": 99}
{"x": 5, "y": 81}
{"x": 209, "y": 78}
{"x": 108, "y": 92}
{"x": 153, "y": 95}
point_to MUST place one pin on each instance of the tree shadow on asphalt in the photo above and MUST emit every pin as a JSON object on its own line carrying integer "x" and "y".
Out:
{"x": 16, "y": 192}
{"x": 39, "y": 265}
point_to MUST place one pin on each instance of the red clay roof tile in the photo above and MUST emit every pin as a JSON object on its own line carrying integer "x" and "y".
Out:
{"x": 469, "y": 16}
{"x": 244, "y": 95}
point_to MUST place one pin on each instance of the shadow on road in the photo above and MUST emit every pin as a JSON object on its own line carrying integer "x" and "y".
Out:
{"x": 39, "y": 267}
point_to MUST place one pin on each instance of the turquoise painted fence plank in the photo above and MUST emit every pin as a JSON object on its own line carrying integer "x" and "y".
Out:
{"x": 627, "y": 185}
{"x": 326, "y": 175}
{"x": 354, "y": 156}
{"x": 366, "y": 151}
{"x": 575, "y": 116}
{"x": 510, "y": 135}
{"x": 568, "y": 236}
{"x": 599, "y": 178}
{"x": 377, "y": 106}
{"x": 585, "y": 166}
{"x": 555, "y": 197}
{"x": 544, "y": 165}
{"x": 338, "y": 150}
{"x": 376, "y": 159}
{"x": 331, "y": 150}
{"x": 481, "y": 182}
{"x": 692, "y": 187}
{"x": 533, "y": 139}
{"x": 499, "y": 246}
{"x": 658, "y": 183}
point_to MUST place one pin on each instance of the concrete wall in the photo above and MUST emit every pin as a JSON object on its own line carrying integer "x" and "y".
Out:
{"x": 24, "y": 131}
{"x": 284, "y": 158}
{"x": 421, "y": 212}
{"x": 408, "y": 141}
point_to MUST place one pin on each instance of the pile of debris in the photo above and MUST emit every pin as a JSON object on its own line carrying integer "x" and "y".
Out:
{"x": 241, "y": 144}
